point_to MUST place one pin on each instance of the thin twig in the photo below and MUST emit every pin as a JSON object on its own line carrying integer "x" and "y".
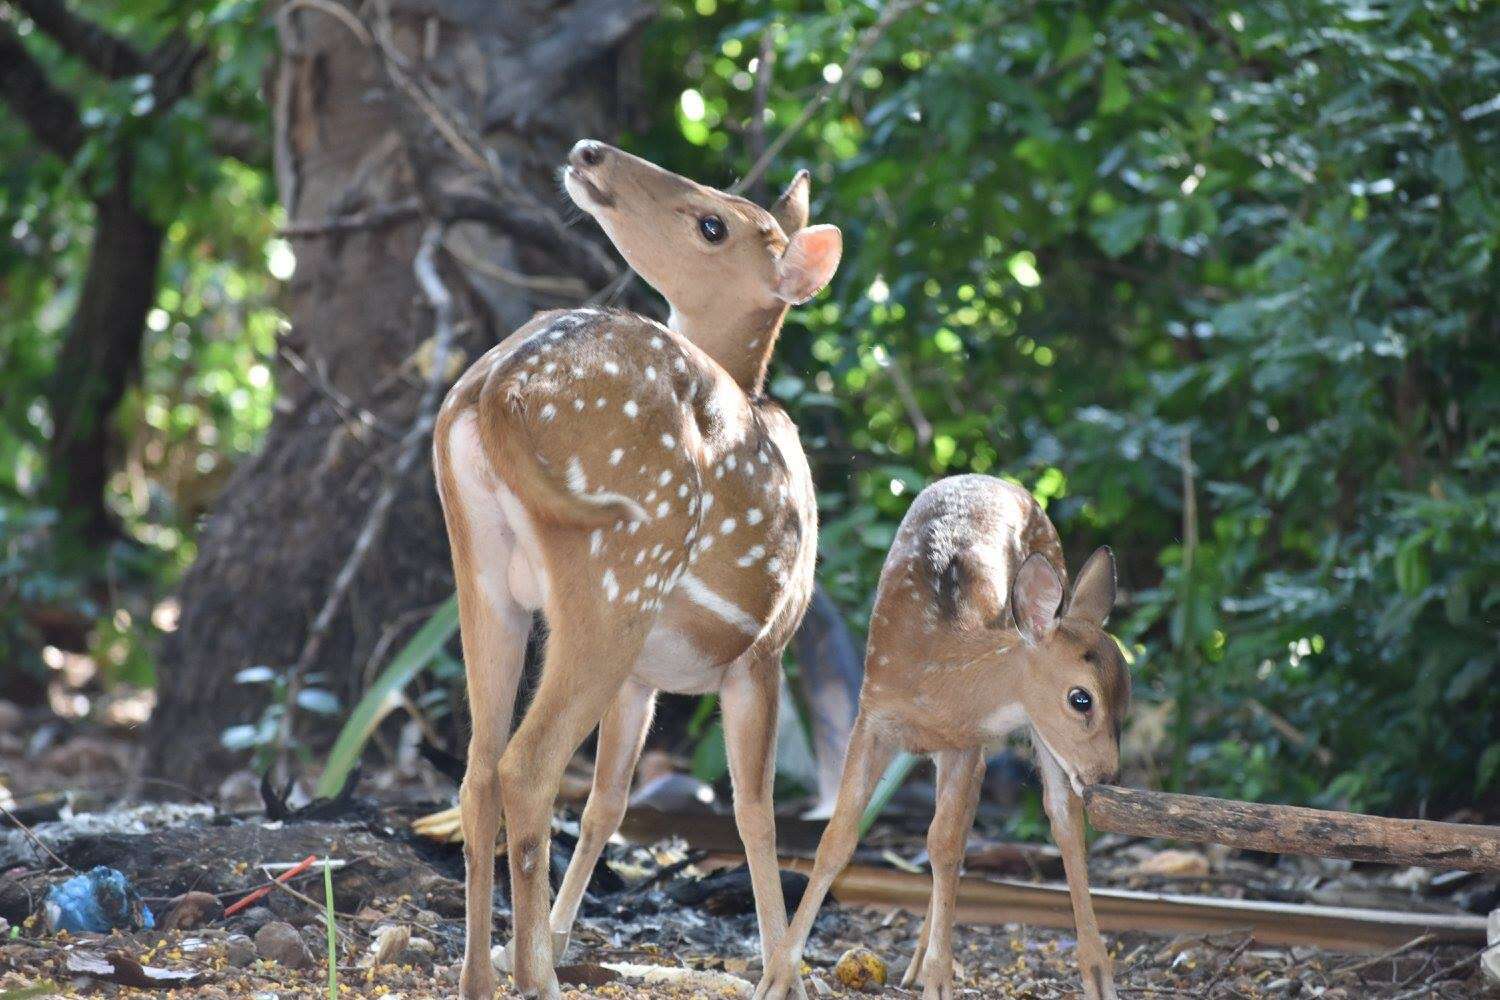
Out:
{"x": 373, "y": 218}
{"x": 857, "y": 55}
{"x": 1384, "y": 956}
{"x": 35, "y": 839}
{"x": 1425, "y": 990}
{"x": 425, "y": 268}
{"x": 1227, "y": 964}
{"x": 564, "y": 285}
{"x": 348, "y": 408}
{"x": 764, "y": 65}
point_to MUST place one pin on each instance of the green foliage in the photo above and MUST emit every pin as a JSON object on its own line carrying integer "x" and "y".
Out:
{"x": 205, "y": 391}
{"x": 420, "y": 651}
{"x": 1079, "y": 232}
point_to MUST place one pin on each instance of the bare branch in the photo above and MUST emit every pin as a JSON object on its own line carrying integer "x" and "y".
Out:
{"x": 49, "y": 113}
{"x": 106, "y": 52}
{"x": 374, "y": 218}
{"x": 857, "y": 56}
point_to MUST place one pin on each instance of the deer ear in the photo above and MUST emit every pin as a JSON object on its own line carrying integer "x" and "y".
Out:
{"x": 1035, "y": 597}
{"x": 1094, "y": 593}
{"x": 790, "y": 210}
{"x": 808, "y": 264}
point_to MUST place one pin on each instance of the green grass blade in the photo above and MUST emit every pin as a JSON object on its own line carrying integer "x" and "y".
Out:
{"x": 377, "y": 702}
{"x": 333, "y": 947}
{"x": 894, "y": 777}
{"x": 44, "y": 988}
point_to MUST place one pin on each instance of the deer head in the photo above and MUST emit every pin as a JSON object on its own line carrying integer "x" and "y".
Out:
{"x": 728, "y": 268}
{"x": 1076, "y": 689}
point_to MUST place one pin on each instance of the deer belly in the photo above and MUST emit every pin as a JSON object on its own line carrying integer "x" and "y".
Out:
{"x": 670, "y": 661}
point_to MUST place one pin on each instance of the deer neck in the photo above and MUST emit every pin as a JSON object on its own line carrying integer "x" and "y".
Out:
{"x": 740, "y": 344}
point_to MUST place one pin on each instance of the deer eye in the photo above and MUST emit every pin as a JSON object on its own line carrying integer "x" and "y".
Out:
{"x": 712, "y": 228}
{"x": 1080, "y": 701}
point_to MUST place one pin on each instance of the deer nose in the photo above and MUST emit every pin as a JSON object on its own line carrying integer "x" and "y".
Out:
{"x": 587, "y": 153}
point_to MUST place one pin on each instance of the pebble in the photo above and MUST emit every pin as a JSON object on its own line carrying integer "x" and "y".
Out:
{"x": 239, "y": 951}
{"x": 861, "y": 969}
{"x": 279, "y": 942}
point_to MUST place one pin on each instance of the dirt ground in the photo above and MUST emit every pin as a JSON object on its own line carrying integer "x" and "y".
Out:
{"x": 649, "y": 907}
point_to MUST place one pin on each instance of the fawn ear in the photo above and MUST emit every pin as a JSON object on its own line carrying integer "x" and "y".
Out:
{"x": 1094, "y": 593}
{"x": 1035, "y": 596}
{"x": 790, "y": 210}
{"x": 808, "y": 264}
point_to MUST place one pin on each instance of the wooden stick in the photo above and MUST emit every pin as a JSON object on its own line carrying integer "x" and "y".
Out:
{"x": 1294, "y": 830}
{"x": 1001, "y": 901}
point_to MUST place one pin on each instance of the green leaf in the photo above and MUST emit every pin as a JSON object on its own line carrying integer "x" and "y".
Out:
{"x": 378, "y": 702}
{"x": 1122, "y": 231}
{"x": 1114, "y": 95}
{"x": 1488, "y": 769}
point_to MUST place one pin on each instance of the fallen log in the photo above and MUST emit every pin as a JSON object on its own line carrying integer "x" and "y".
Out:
{"x": 1293, "y": 829}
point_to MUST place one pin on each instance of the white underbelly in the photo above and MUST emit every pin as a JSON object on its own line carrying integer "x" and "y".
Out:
{"x": 670, "y": 662}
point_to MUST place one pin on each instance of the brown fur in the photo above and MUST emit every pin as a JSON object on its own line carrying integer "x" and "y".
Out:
{"x": 629, "y": 481}
{"x": 952, "y": 668}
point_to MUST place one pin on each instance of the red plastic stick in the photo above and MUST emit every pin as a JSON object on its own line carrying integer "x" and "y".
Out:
{"x": 264, "y": 890}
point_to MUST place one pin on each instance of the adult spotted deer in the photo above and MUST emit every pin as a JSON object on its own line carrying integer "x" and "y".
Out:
{"x": 630, "y": 481}
{"x": 966, "y": 646}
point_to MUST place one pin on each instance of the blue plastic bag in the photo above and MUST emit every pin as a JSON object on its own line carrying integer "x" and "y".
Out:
{"x": 98, "y": 901}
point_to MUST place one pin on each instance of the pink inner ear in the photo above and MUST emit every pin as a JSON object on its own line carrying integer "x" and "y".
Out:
{"x": 809, "y": 262}
{"x": 1038, "y": 595}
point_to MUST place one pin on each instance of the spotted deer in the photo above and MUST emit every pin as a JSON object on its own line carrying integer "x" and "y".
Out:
{"x": 966, "y": 646}
{"x": 630, "y": 481}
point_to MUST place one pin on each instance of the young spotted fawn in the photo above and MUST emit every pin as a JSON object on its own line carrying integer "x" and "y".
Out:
{"x": 630, "y": 481}
{"x": 966, "y": 646}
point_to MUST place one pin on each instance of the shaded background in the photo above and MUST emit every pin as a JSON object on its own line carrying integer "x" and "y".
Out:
{"x": 1219, "y": 286}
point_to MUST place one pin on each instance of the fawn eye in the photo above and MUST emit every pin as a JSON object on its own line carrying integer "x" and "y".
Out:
{"x": 1080, "y": 700}
{"x": 712, "y": 228}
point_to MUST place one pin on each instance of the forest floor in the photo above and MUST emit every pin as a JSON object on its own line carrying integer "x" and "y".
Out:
{"x": 660, "y": 904}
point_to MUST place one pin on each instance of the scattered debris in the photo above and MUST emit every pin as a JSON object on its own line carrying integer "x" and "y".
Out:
{"x": 861, "y": 969}
{"x": 118, "y": 967}
{"x": 192, "y": 909}
{"x": 1174, "y": 863}
{"x": 98, "y": 901}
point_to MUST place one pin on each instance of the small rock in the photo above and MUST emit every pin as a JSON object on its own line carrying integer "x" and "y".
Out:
{"x": 861, "y": 969}
{"x": 254, "y": 919}
{"x": 238, "y": 951}
{"x": 190, "y": 910}
{"x": 418, "y": 951}
{"x": 11, "y": 717}
{"x": 1173, "y": 862}
{"x": 279, "y": 942}
{"x": 819, "y": 987}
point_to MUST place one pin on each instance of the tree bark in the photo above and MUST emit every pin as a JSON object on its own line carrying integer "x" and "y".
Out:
{"x": 1294, "y": 829}
{"x": 388, "y": 121}
{"x": 100, "y": 357}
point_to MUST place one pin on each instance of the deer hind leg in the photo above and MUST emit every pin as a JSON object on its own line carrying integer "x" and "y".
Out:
{"x": 865, "y": 762}
{"x": 588, "y": 658}
{"x": 960, "y": 774}
{"x": 621, "y": 735}
{"x": 493, "y": 628}
{"x": 749, "y": 700}
{"x": 1065, "y": 810}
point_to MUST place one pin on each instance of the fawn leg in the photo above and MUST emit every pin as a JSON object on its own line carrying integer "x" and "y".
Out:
{"x": 863, "y": 765}
{"x": 621, "y": 735}
{"x": 1065, "y": 810}
{"x": 960, "y": 774}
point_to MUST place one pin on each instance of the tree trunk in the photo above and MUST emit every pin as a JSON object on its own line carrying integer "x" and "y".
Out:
{"x": 100, "y": 357}
{"x": 452, "y": 110}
